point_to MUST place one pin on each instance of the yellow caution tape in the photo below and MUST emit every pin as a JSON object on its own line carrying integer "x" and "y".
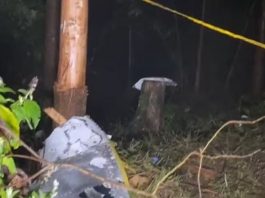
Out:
{"x": 120, "y": 163}
{"x": 208, "y": 25}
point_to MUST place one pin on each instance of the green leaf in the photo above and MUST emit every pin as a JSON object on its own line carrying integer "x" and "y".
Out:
{"x": 4, "y": 89}
{"x": 11, "y": 121}
{"x": 17, "y": 109}
{"x": 4, "y": 100}
{"x": 33, "y": 111}
{"x": 9, "y": 118}
{"x": 8, "y": 192}
{"x": 23, "y": 91}
{"x": 15, "y": 143}
{"x": 28, "y": 111}
{"x": 1, "y": 145}
{"x": 40, "y": 194}
{"x": 11, "y": 193}
{"x": 33, "y": 195}
{"x": 10, "y": 164}
{"x": 5, "y": 147}
{"x": 1, "y": 180}
{"x": 2, "y": 193}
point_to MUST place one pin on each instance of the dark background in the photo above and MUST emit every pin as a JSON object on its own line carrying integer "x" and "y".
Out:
{"x": 161, "y": 45}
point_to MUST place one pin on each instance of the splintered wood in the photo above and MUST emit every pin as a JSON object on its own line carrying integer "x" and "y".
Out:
{"x": 55, "y": 115}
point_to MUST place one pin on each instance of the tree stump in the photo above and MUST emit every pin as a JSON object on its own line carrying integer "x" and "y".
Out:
{"x": 149, "y": 114}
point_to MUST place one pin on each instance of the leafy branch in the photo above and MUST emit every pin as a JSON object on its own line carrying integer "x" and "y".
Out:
{"x": 15, "y": 108}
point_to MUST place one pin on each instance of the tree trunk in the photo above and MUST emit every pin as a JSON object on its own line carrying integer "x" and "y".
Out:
{"x": 197, "y": 84}
{"x": 70, "y": 91}
{"x": 130, "y": 54}
{"x": 149, "y": 114}
{"x": 51, "y": 48}
{"x": 258, "y": 79}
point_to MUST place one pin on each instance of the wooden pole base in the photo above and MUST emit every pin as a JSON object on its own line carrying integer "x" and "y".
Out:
{"x": 70, "y": 102}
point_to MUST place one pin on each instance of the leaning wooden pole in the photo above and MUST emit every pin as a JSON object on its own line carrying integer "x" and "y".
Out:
{"x": 70, "y": 90}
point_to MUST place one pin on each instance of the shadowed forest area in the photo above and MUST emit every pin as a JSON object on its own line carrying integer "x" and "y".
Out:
{"x": 219, "y": 76}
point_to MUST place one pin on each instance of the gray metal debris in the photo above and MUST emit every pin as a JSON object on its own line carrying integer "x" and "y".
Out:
{"x": 81, "y": 142}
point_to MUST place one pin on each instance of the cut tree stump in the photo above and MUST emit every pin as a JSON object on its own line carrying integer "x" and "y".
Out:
{"x": 149, "y": 118}
{"x": 149, "y": 114}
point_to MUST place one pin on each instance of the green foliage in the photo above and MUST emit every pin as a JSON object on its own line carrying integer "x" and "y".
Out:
{"x": 24, "y": 109}
{"x": 28, "y": 111}
{"x": 8, "y": 193}
{"x": 12, "y": 113}
{"x": 5, "y": 160}
{"x": 40, "y": 194}
{"x": 9, "y": 118}
{"x": 3, "y": 90}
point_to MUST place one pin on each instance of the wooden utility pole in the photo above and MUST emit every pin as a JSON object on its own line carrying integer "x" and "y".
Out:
{"x": 70, "y": 90}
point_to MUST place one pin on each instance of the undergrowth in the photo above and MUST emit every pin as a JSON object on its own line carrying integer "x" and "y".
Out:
{"x": 185, "y": 131}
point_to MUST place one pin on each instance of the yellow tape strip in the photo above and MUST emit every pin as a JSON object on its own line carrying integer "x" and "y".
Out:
{"x": 120, "y": 164}
{"x": 208, "y": 25}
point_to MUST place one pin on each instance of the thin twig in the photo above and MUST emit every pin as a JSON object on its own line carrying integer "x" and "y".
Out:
{"x": 225, "y": 178}
{"x": 108, "y": 182}
{"x": 40, "y": 172}
{"x": 24, "y": 157}
{"x": 232, "y": 156}
{"x": 172, "y": 171}
{"x": 202, "y": 151}
{"x": 218, "y": 157}
{"x": 30, "y": 150}
{"x": 49, "y": 166}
